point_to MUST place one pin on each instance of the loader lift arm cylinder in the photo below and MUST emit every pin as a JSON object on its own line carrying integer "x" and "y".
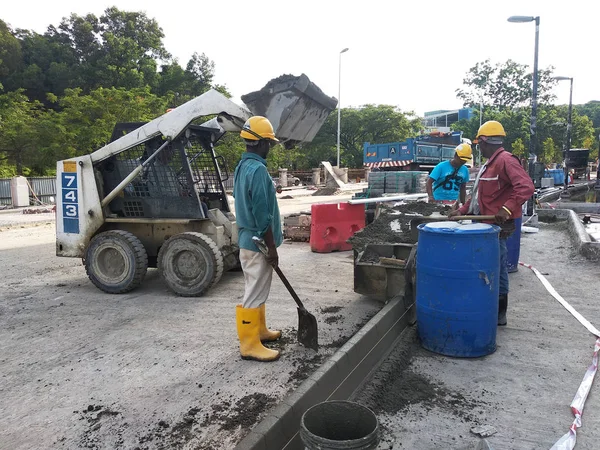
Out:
{"x": 129, "y": 178}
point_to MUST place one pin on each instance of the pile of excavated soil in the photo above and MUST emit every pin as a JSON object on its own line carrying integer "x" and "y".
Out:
{"x": 393, "y": 225}
{"x": 326, "y": 191}
{"x": 253, "y": 96}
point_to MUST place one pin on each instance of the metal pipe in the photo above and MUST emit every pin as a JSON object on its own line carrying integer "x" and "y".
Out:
{"x": 533, "y": 125}
{"x": 361, "y": 201}
{"x": 569, "y": 127}
{"x": 339, "y": 105}
{"x": 129, "y": 178}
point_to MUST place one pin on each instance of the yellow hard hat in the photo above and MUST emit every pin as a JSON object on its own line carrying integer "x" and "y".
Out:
{"x": 464, "y": 152}
{"x": 491, "y": 128}
{"x": 258, "y": 127}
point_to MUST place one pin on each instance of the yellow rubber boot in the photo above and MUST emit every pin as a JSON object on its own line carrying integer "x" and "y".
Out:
{"x": 248, "y": 327}
{"x": 265, "y": 334}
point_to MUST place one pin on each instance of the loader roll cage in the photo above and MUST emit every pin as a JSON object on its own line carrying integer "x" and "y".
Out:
{"x": 175, "y": 184}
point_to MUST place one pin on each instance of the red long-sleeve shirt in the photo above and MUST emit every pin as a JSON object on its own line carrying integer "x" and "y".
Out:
{"x": 503, "y": 183}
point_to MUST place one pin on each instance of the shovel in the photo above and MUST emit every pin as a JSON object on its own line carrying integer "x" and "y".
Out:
{"x": 308, "y": 335}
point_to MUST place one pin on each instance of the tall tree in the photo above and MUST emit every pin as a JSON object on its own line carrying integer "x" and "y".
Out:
{"x": 10, "y": 51}
{"x": 88, "y": 119}
{"x": 504, "y": 85}
{"x": 118, "y": 49}
{"x": 18, "y": 137}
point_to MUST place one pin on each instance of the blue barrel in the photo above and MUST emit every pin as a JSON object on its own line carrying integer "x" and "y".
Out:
{"x": 557, "y": 174}
{"x": 513, "y": 245}
{"x": 457, "y": 288}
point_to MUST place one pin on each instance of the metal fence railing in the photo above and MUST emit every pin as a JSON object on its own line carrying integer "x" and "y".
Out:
{"x": 5, "y": 197}
{"x": 44, "y": 189}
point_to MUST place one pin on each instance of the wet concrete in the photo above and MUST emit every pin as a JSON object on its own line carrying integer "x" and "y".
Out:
{"x": 393, "y": 224}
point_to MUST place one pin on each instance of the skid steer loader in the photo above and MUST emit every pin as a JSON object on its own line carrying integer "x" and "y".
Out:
{"x": 154, "y": 195}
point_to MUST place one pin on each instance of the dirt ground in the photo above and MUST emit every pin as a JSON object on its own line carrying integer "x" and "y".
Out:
{"x": 149, "y": 370}
{"x": 523, "y": 390}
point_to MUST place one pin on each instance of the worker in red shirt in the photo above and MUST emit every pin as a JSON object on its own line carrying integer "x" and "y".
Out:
{"x": 500, "y": 189}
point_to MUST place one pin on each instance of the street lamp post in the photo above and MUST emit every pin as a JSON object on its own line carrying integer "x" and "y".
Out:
{"x": 339, "y": 105}
{"x": 533, "y": 126}
{"x": 565, "y": 192}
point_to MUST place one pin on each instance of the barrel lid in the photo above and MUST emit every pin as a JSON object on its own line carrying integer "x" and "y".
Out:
{"x": 444, "y": 225}
{"x": 455, "y": 227}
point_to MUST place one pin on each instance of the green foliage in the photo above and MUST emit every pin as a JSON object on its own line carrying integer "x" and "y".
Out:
{"x": 118, "y": 49}
{"x": 550, "y": 152}
{"x": 18, "y": 132}
{"x": 518, "y": 148}
{"x": 551, "y": 124}
{"x": 10, "y": 51}
{"x": 88, "y": 120}
{"x": 504, "y": 85}
{"x": 231, "y": 147}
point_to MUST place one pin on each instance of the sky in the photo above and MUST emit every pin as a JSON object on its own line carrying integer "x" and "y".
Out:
{"x": 410, "y": 54}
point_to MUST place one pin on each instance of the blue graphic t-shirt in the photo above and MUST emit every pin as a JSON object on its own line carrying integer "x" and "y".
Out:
{"x": 447, "y": 180}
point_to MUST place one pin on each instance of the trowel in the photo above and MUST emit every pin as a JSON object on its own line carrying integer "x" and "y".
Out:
{"x": 308, "y": 334}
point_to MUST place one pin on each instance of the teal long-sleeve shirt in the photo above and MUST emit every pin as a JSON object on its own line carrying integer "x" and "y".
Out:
{"x": 256, "y": 206}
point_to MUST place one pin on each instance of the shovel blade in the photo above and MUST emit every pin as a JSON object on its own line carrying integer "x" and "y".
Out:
{"x": 308, "y": 335}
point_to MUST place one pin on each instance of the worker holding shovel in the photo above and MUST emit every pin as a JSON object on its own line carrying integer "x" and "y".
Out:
{"x": 257, "y": 216}
{"x": 500, "y": 189}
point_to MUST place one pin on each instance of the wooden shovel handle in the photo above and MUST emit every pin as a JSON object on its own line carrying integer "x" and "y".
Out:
{"x": 472, "y": 218}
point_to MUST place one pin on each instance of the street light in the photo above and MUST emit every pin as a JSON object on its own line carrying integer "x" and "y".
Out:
{"x": 533, "y": 126}
{"x": 565, "y": 192}
{"x": 339, "y": 106}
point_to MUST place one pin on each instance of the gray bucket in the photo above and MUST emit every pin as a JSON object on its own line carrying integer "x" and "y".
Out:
{"x": 339, "y": 425}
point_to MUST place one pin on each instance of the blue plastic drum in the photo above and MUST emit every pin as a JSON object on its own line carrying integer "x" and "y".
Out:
{"x": 457, "y": 288}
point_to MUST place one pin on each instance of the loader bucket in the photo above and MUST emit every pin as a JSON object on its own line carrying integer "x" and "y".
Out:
{"x": 296, "y": 107}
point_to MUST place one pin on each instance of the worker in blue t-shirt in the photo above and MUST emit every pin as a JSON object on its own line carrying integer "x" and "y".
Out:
{"x": 447, "y": 181}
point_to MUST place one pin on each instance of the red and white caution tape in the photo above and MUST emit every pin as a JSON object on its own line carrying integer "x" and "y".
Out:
{"x": 567, "y": 442}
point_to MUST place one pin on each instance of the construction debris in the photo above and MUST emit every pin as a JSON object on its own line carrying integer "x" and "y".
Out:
{"x": 49, "y": 209}
{"x": 297, "y": 227}
{"x": 484, "y": 430}
{"x": 326, "y": 191}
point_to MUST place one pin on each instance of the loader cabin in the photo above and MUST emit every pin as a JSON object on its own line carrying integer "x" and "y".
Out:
{"x": 184, "y": 180}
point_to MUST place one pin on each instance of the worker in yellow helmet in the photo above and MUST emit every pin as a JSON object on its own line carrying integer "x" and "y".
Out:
{"x": 500, "y": 189}
{"x": 447, "y": 182}
{"x": 257, "y": 215}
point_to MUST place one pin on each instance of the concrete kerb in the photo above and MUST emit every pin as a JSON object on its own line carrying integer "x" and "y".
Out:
{"x": 583, "y": 243}
{"x": 336, "y": 379}
{"x": 555, "y": 194}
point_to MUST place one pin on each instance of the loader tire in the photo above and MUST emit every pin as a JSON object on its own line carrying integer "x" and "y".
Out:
{"x": 190, "y": 263}
{"x": 116, "y": 261}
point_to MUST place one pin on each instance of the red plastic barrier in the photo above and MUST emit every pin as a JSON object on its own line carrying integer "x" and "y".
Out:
{"x": 332, "y": 225}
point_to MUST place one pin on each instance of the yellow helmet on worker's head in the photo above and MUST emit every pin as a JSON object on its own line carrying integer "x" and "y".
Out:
{"x": 464, "y": 152}
{"x": 491, "y": 129}
{"x": 257, "y": 128}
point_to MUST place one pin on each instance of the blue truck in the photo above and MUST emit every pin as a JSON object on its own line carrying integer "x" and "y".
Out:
{"x": 421, "y": 153}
